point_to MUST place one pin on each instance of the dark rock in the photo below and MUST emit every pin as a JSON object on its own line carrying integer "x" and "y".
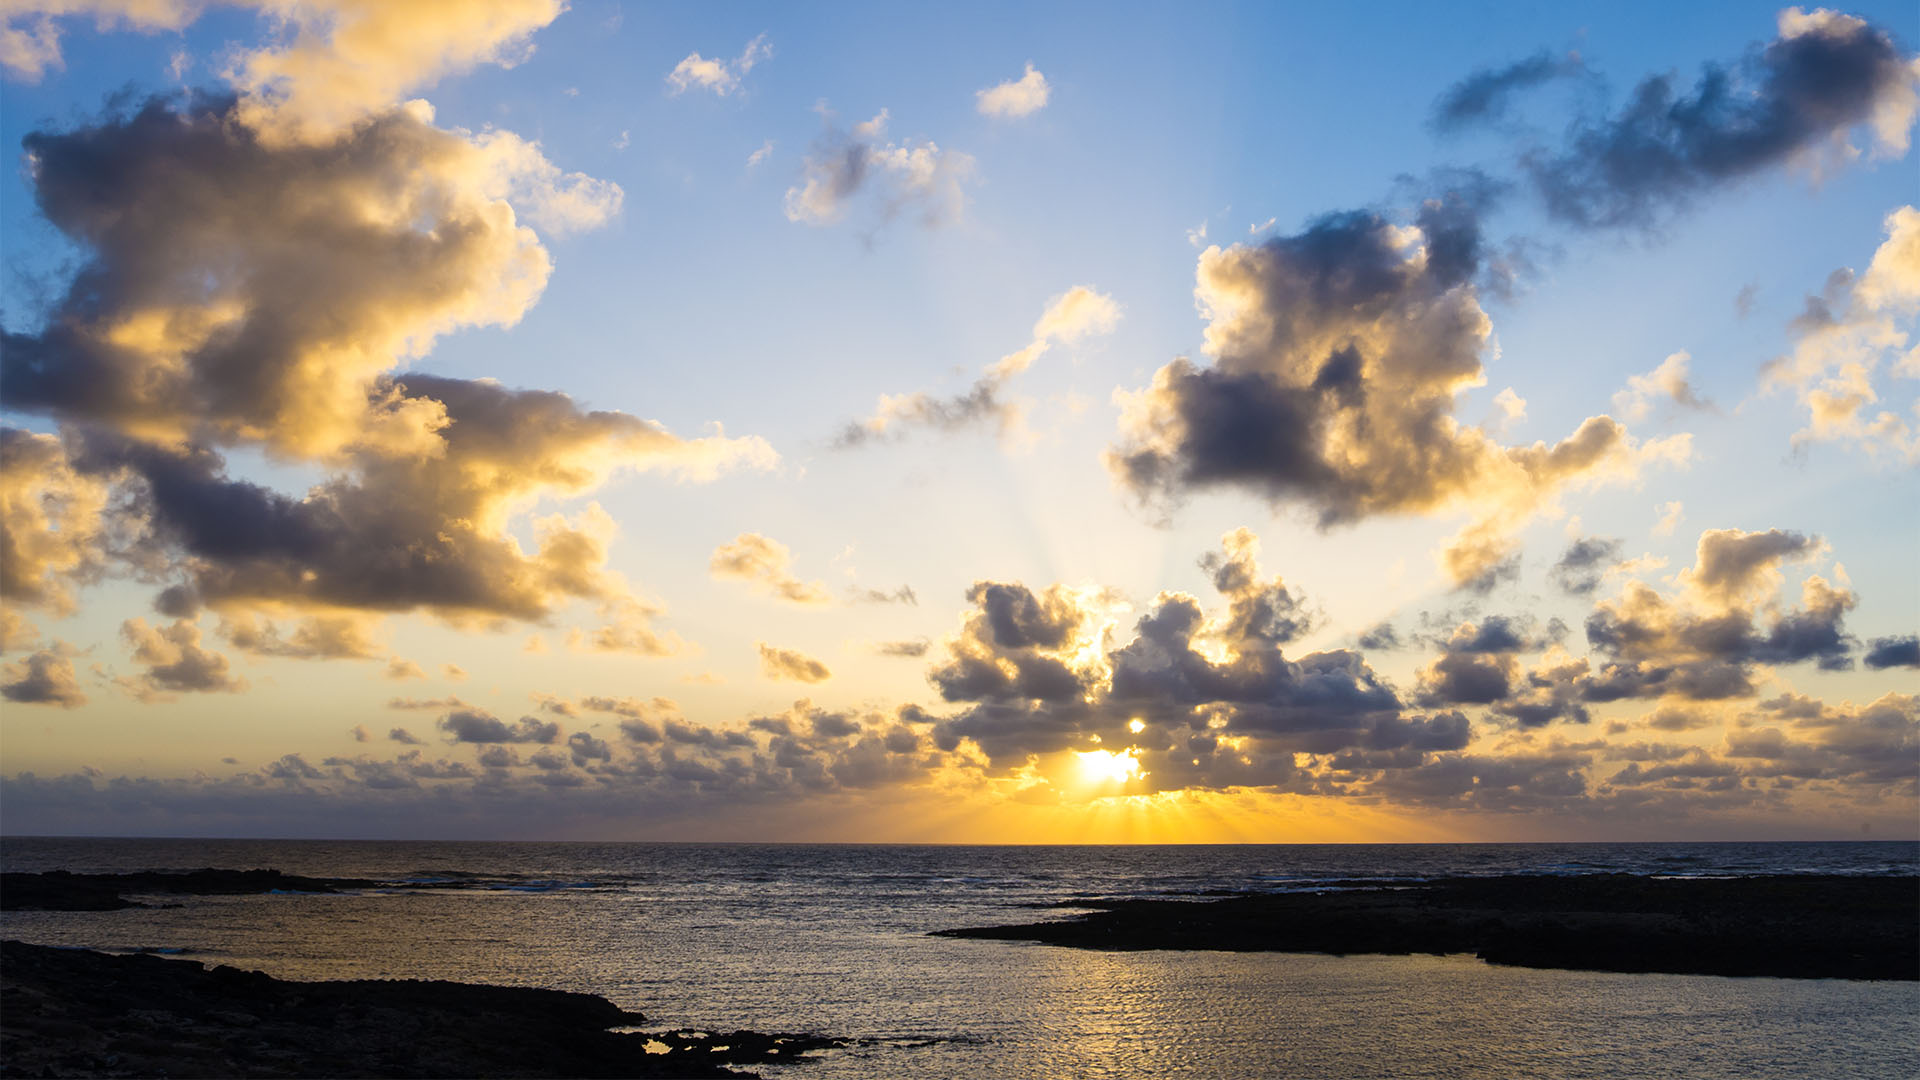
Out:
{"x": 69, "y": 1012}
{"x": 1800, "y": 926}
{"x": 59, "y": 890}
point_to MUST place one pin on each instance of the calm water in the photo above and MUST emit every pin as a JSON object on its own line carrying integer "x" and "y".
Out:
{"x": 833, "y": 938}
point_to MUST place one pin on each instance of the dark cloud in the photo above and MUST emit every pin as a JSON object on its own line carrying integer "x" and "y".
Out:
{"x": 902, "y": 595}
{"x": 1800, "y": 94}
{"x": 1193, "y": 699}
{"x": 43, "y": 678}
{"x": 1889, "y": 652}
{"x": 1484, "y": 95}
{"x": 913, "y": 649}
{"x": 1585, "y": 562}
{"x": 403, "y": 736}
{"x": 246, "y": 292}
{"x": 175, "y": 662}
{"x": 479, "y": 726}
{"x": 1381, "y": 637}
{"x": 1338, "y": 356}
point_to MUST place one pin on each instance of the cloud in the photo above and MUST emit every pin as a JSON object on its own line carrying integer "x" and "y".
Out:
{"x": 761, "y": 561}
{"x": 1585, "y": 562}
{"x": 899, "y": 177}
{"x": 1666, "y": 382}
{"x": 1845, "y": 335}
{"x": 333, "y": 62}
{"x": 1703, "y": 642}
{"x": 1079, "y": 313}
{"x": 902, "y": 595}
{"x": 1484, "y": 95}
{"x": 1016, "y": 97}
{"x": 51, "y": 535}
{"x": 175, "y": 662}
{"x": 1338, "y": 354}
{"x": 479, "y": 726}
{"x": 1194, "y": 699}
{"x": 316, "y": 637}
{"x": 720, "y": 76}
{"x": 786, "y": 664}
{"x": 400, "y": 668}
{"x": 404, "y": 737}
{"x": 911, "y": 649}
{"x": 1890, "y": 652}
{"x": 30, "y": 39}
{"x": 1795, "y": 100}
{"x": 1670, "y": 515}
{"x": 628, "y": 629}
{"x": 44, "y": 678}
{"x": 274, "y": 324}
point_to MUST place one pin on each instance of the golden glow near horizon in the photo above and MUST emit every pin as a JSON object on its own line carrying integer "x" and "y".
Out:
{"x": 772, "y": 450}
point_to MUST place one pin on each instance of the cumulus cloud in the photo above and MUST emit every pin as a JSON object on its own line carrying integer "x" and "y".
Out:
{"x": 1852, "y": 329}
{"x": 334, "y": 61}
{"x": 1016, "y": 97}
{"x": 1585, "y": 562}
{"x": 1338, "y": 354}
{"x": 275, "y": 323}
{"x": 52, "y": 537}
{"x": 898, "y": 177}
{"x": 1079, "y": 313}
{"x": 1891, "y": 652}
{"x": 1668, "y": 382}
{"x": 472, "y": 725}
{"x": 787, "y": 664}
{"x": 720, "y": 76}
{"x": 1703, "y": 641}
{"x": 767, "y": 564}
{"x": 1193, "y": 699}
{"x": 43, "y": 678}
{"x": 1797, "y": 99}
{"x": 175, "y": 662}
{"x": 316, "y": 637}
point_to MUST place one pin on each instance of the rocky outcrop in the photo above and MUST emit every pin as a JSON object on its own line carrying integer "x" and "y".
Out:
{"x": 1800, "y": 926}
{"x": 69, "y": 1012}
{"x": 58, "y": 890}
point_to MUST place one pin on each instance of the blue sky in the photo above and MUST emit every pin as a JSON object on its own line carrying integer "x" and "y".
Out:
{"x": 699, "y": 300}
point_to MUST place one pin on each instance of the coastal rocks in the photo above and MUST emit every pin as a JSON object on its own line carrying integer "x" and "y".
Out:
{"x": 1801, "y": 926}
{"x": 67, "y": 1012}
{"x": 58, "y": 890}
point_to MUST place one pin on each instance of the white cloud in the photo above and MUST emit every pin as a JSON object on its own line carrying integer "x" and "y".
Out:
{"x": 1016, "y": 97}
{"x": 720, "y": 76}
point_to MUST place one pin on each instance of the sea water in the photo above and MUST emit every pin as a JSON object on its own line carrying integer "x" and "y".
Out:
{"x": 834, "y": 939}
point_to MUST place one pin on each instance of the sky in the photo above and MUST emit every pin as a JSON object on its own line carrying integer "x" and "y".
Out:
{"x": 1065, "y": 423}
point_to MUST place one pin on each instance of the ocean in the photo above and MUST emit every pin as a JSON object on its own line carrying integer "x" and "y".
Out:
{"x": 834, "y": 939}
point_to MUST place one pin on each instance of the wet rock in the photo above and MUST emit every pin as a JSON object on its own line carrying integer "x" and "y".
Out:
{"x": 59, "y": 890}
{"x": 69, "y": 1012}
{"x": 1799, "y": 926}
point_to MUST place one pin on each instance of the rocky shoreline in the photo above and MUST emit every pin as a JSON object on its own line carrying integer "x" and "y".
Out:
{"x": 71, "y": 1012}
{"x": 60, "y": 890}
{"x": 1800, "y": 926}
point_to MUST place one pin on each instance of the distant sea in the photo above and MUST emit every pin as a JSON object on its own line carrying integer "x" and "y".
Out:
{"x": 833, "y": 938}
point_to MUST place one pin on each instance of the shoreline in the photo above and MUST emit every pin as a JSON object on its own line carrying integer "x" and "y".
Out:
{"x": 1786, "y": 926}
{"x": 76, "y": 1012}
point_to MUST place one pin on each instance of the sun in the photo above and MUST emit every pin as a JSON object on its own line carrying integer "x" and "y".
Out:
{"x": 1107, "y": 767}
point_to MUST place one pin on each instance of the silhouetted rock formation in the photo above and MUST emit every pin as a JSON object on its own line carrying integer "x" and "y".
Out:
{"x": 58, "y": 890}
{"x": 1790, "y": 926}
{"x": 68, "y": 1012}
